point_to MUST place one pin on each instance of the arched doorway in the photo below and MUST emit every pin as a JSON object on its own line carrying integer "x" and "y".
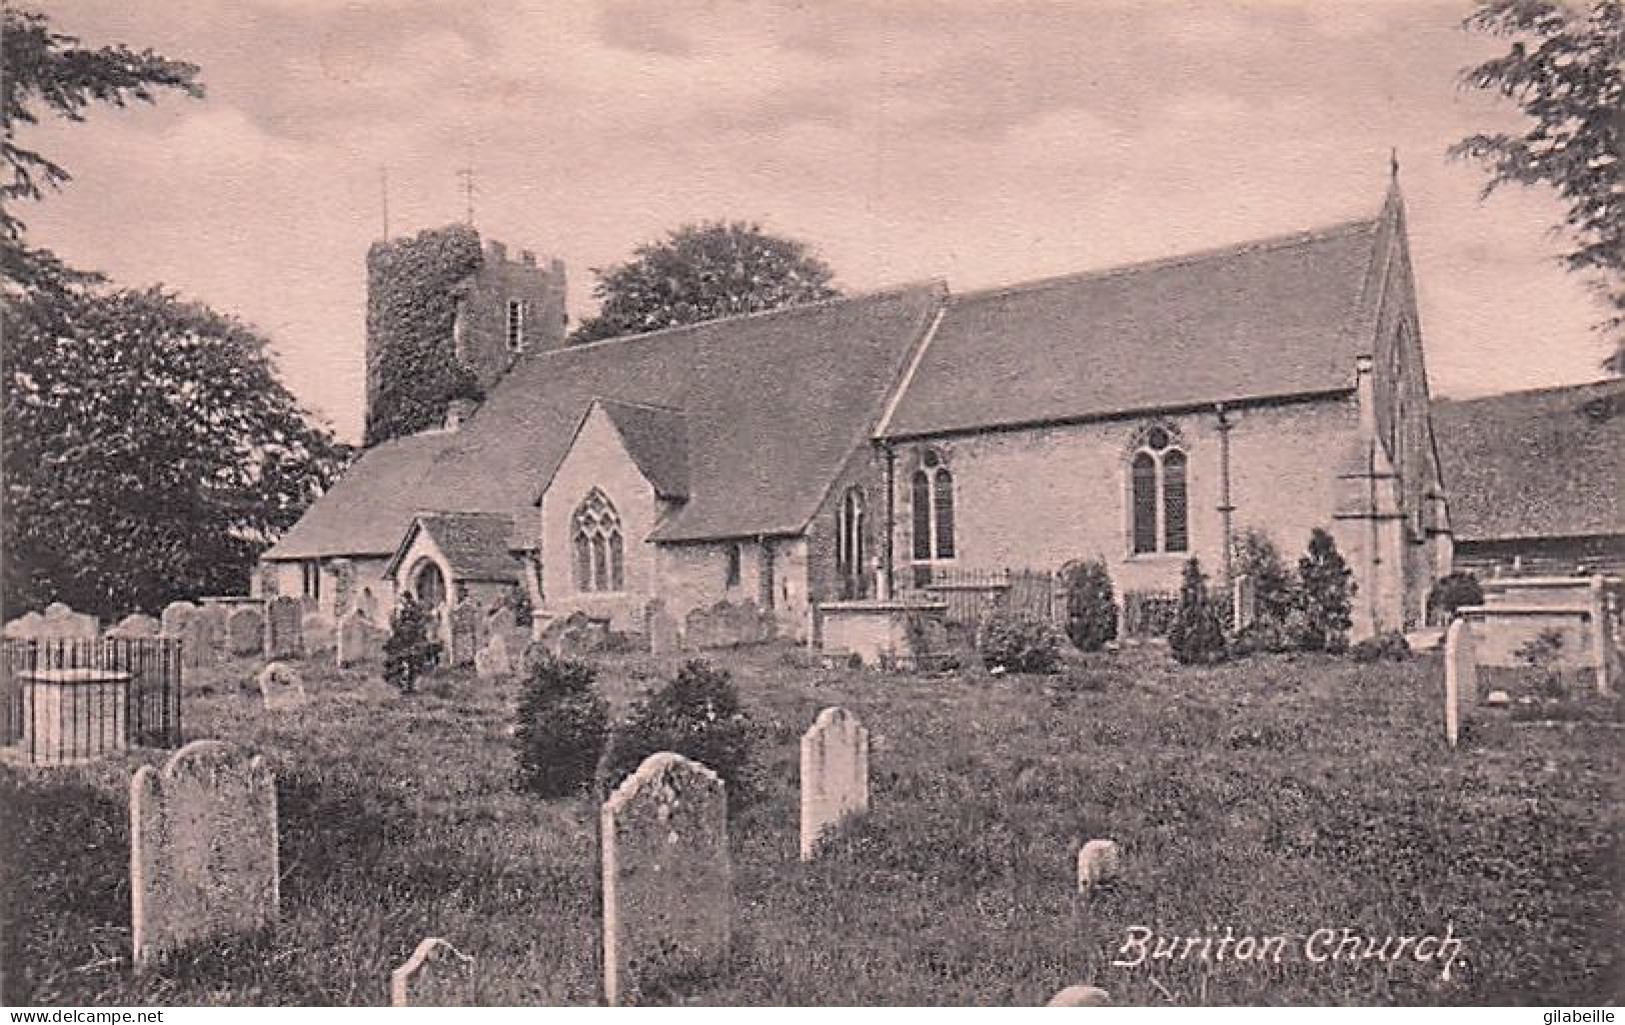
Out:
{"x": 429, "y": 585}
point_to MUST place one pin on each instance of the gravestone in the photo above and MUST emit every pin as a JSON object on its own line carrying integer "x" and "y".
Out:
{"x": 136, "y": 624}
{"x": 729, "y": 625}
{"x": 319, "y": 633}
{"x": 1460, "y": 678}
{"x": 284, "y": 628}
{"x": 27, "y": 626}
{"x": 1244, "y": 598}
{"x": 62, "y": 621}
{"x": 576, "y": 635}
{"x": 270, "y": 581}
{"x": 467, "y": 626}
{"x": 367, "y": 604}
{"x": 212, "y": 625}
{"x": 203, "y": 848}
{"x": 664, "y": 633}
{"x": 668, "y": 883}
{"x": 1080, "y": 996}
{"x": 358, "y": 640}
{"x": 1099, "y": 861}
{"x": 245, "y": 631}
{"x": 282, "y": 688}
{"x": 493, "y": 660}
{"x": 177, "y": 615}
{"x": 834, "y": 775}
{"x": 436, "y": 975}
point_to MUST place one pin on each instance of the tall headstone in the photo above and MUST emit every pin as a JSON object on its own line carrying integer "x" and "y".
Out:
{"x": 668, "y": 882}
{"x": 319, "y": 633}
{"x": 665, "y": 633}
{"x": 284, "y": 628}
{"x": 203, "y": 848}
{"x": 245, "y": 631}
{"x": 436, "y": 975}
{"x": 834, "y": 775}
{"x": 358, "y": 640}
{"x": 467, "y": 625}
{"x": 343, "y": 571}
{"x": 1460, "y": 678}
{"x": 1244, "y": 598}
{"x": 367, "y": 604}
{"x": 493, "y": 660}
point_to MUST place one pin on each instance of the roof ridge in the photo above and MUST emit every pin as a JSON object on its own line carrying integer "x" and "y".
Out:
{"x": 462, "y": 512}
{"x": 878, "y": 293}
{"x": 655, "y": 406}
{"x": 1267, "y": 244}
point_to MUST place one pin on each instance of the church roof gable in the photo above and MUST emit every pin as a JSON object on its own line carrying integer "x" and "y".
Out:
{"x": 475, "y": 545}
{"x": 1270, "y": 319}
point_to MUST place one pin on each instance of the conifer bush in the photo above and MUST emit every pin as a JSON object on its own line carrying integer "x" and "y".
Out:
{"x": 1325, "y": 596}
{"x": 560, "y": 727}
{"x": 696, "y": 715}
{"x": 1197, "y": 634}
{"x": 409, "y": 651}
{"x": 1091, "y": 605}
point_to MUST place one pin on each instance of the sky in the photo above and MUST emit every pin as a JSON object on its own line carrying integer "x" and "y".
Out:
{"x": 977, "y": 141}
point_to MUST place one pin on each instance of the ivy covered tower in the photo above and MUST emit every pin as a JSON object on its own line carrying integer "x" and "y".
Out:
{"x": 446, "y": 318}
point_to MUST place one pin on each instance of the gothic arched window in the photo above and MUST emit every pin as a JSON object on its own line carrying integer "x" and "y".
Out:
{"x": 933, "y": 502}
{"x": 1159, "y": 502}
{"x": 849, "y": 539}
{"x": 599, "y": 551}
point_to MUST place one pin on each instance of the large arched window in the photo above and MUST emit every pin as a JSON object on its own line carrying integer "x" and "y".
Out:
{"x": 933, "y": 502}
{"x": 600, "y": 555}
{"x": 1159, "y": 494}
{"x": 428, "y": 584}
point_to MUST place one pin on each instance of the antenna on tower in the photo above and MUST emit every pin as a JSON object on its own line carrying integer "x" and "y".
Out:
{"x": 467, "y": 175}
{"x": 383, "y": 195}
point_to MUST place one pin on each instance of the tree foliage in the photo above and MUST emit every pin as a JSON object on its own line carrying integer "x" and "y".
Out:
{"x": 1563, "y": 70}
{"x": 49, "y": 72}
{"x": 412, "y": 291}
{"x": 1091, "y": 605}
{"x": 1325, "y": 595}
{"x": 150, "y": 450}
{"x": 702, "y": 272}
{"x": 1197, "y": 633}
{"x": 409, "y": 650}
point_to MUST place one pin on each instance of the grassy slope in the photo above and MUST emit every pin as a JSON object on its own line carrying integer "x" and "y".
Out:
{"x": 1271, "y": 796}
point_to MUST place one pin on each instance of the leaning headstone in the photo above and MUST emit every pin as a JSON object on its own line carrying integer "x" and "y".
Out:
{"x": 668, "y": 884}
{"x": 1460, "y": 678}
{"x": 203, "y": 848}
{"x": 1099, "y": 861}
{"x": 284, "y": 628}
{"x": 467, "y": 624}
{"x": 834, "y": 775}
{"x": 245, "y": 631}
{"x": 177, "y": 615}
{"x": 1080, "y": 996}
{"x": 436, "y": 975}
{"x": 281, "y": 687}
{"x": 136, "y": 624}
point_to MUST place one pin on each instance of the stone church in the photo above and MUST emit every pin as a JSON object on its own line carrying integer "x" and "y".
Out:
{"x": 864, "y": 447}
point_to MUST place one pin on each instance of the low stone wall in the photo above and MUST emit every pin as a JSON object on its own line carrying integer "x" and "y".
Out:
{"x": 875, "y": 630}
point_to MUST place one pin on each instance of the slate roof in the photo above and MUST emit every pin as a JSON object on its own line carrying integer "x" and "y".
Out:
{"x": 366, "y": 511}
{"x": 1534, "y": 464}
{"x": 773, "y": 405}
{"x": 475, "y": 544}
{"x": 1275, "y": 318}
{"x": 657, "y": 440}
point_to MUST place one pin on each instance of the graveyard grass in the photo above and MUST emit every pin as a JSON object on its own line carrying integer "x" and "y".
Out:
{"x": 1274, "y": 795}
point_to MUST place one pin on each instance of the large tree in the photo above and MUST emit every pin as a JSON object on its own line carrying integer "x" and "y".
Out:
{"x": 1563, "y": 70}
{"x": 49, "y": 72}
{"x": 702, "y": 272}
{"x": 150, "y": 451}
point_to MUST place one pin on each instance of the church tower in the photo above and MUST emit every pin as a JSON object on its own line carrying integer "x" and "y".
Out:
{"x": 447, "y": 317}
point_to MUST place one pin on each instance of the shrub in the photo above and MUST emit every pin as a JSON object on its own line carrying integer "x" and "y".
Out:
{"x": 560, "y": 727}
{"x": 1543, "y": 653}
{"x": 1018, "y": 644}
{"x": 698, "y": 716}
{"x": 1450, "y": 593}
{"x": 1325, "y": 595}
{"x": 409, "y": 652}
{"x": 1257, "y": 557}
{"x": 1264, "y": 634}
{"x": 1091, "y": 606}
{"x": 1197, "y": 633}
{"x": 517, "y": 602}
{"x": 1385, "y": 647}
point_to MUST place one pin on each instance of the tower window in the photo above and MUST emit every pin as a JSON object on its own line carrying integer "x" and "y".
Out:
{"x": 517, "y": 308}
